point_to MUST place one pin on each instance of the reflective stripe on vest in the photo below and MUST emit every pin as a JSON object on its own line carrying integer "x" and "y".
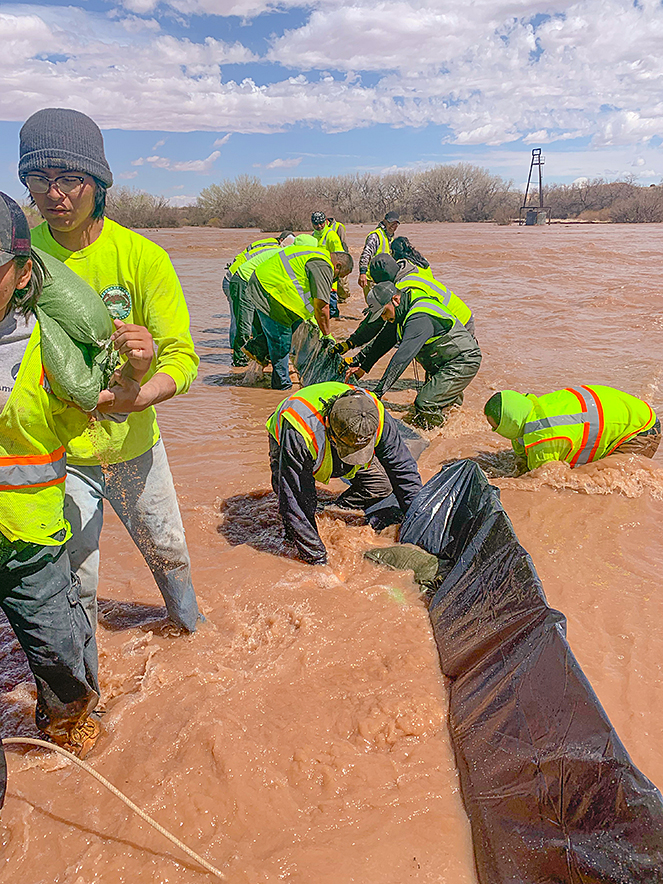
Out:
{"x": 310, "y": 422}
{"x": 384, "y": 242}
{"x": 591, "y": 416}
{"x": 290, "y": 270}
{"x": 432, "y": 308}
{"x": 32, "y": 470}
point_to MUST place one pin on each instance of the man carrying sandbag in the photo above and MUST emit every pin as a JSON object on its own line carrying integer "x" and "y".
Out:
{"x": 62, "y": 162}
{"x": 38, "y": 593}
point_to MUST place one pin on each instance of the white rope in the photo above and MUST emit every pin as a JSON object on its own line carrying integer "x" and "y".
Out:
{"x": 8, "y": 741}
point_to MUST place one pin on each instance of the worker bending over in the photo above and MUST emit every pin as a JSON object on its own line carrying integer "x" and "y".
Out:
{"x": 291, "y": 285}
{"x": 424, "y": 329}
{"x": 578, "y": 424}
{"x": 234, "y": 283}
{"x": 327, "y": 431}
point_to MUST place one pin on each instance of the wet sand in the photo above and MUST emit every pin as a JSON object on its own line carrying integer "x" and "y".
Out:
{"x": 300, "y": 736}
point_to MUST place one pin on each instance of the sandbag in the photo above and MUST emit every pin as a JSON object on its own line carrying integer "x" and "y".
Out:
{"x": 75, "y": 336}
{"x": 314, "y": 362}
{"x": 406, "y": 557}
{"x": 550, "y": 790}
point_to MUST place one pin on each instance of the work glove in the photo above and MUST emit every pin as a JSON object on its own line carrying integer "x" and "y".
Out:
{"x": 350, "y": 362}
{"x": 340, "y": 348}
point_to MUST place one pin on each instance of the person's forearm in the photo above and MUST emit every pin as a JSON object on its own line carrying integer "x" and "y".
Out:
{"x": 159, "y": 388}
{"x": 321, "y": 313}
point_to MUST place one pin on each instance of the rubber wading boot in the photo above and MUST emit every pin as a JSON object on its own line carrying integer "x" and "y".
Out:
{"x": 81, "y": 738}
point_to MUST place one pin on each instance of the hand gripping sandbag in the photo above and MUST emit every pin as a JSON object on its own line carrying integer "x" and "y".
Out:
{"x": 312, "y": 357}
{"x": 550, "y": 790}
{"x": 75, "y": 336}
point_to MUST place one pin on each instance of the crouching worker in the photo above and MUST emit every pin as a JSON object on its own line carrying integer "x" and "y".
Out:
{"x": 578, "y": 424}
{"x": 38, "y": 592}
{"x": 327, "y": 431}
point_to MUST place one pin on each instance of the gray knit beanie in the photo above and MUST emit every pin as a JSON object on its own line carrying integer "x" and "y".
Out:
{"x": 63, "y": 139}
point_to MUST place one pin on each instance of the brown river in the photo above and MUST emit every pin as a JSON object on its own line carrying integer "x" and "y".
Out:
{"x": 300, "y": 736}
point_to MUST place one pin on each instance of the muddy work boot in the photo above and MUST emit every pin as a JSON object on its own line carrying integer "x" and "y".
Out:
{"x": 81, "y": 737}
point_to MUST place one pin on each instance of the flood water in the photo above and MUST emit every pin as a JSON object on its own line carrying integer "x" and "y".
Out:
{"x": 300, "y": 736}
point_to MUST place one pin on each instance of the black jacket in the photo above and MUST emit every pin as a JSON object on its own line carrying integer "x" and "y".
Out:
{"x": 293, "y": 482}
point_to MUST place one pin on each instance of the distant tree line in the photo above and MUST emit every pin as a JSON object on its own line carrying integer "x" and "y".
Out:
{"x": 460, "y": 192}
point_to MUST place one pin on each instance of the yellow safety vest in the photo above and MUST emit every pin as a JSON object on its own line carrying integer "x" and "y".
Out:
{"x": 587, "y": 422}
{"x": 339, "y": 229}
{"x": 251, "y": 250}
{"x": 284, "y": 277}
{"x": 303, "y": 410}
{"x": 423, "y": 280}
{"x": 32, "y": 457}
{"x": 432, "y": 307}
{"x": 329, "y": 240}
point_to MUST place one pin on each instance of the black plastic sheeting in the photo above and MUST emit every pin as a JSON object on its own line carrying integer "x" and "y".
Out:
{"x": 550, "y": 790}
{"x": 3, "y": 775}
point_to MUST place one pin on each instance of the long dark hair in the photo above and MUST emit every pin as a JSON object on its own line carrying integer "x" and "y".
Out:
{"x": 24, "y": 300}
{"x": 402, "y": 248}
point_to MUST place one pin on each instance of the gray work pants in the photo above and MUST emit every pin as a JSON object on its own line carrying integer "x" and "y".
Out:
{"x": 142, "y": 493}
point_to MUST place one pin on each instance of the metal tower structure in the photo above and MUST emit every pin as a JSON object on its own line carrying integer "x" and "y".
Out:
{"x": 535, "y": 214}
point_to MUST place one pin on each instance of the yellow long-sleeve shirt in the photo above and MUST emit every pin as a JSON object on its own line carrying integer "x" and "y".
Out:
{"x": 137, "y": 281}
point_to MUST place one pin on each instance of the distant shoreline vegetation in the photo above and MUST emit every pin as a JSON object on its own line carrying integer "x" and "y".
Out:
{"x": 455, "y": 193}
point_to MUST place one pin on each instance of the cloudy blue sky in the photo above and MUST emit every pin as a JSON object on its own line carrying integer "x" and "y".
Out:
{"x": 192, "y": 91}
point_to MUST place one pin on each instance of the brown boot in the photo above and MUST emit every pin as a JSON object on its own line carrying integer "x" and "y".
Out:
{"x": 81, "y": 738}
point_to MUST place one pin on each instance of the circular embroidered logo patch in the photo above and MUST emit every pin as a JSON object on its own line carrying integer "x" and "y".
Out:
{"x": 118, "y": 301}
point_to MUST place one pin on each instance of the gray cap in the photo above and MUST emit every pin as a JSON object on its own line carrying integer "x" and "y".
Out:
{"x": 378, "y": 298}
{"x": 60, "y": 138}
{"x": 383, "y": 267}
{"x": 392, "y": 216}
{"x": 354, "y": 420}
{"x": 14, "y": 230}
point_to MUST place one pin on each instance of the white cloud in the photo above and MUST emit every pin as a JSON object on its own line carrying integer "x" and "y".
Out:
{"x": 284, "y": 164}
{"x": 221, "y": 141}
{"x": 127, "y": 176}
{"x": 182, "y": 200}
{"x": 484, "y": 71}
{"x": 202, "y": 166}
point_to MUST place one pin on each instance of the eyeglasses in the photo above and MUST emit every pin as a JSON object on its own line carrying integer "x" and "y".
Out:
{"x": 63, "y": 183}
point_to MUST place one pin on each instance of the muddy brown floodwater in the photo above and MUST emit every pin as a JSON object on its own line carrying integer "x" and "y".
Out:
{"x": 300, "y": 736}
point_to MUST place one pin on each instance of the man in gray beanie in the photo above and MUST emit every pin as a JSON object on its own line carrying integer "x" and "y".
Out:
{"x": 63, "y": 164}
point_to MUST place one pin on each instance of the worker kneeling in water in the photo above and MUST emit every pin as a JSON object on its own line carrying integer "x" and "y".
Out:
{"x": 578, "y": 424}
{"x": 327, "y": 431}
{"x": 427, "y": 331}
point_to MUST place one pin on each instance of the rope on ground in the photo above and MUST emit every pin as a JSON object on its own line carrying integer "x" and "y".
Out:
{"x": 8, "y": 741}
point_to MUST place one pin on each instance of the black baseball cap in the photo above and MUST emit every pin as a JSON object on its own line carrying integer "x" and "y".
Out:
{"x": 392, "y": 216}
{"x": 354, "y": 420}
{"x": 318, "y": 218}
{"x": 14, "y": 230}
{"x": 383, "y": 268}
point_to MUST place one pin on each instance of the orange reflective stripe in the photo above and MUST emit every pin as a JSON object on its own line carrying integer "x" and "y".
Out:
{"x": 33, "y": 458}
{"x": 58, "y": 481}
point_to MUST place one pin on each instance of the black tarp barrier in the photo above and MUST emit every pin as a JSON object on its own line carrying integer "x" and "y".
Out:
{"x": 550, "y": 790}
{"x": 3, "y": 775}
